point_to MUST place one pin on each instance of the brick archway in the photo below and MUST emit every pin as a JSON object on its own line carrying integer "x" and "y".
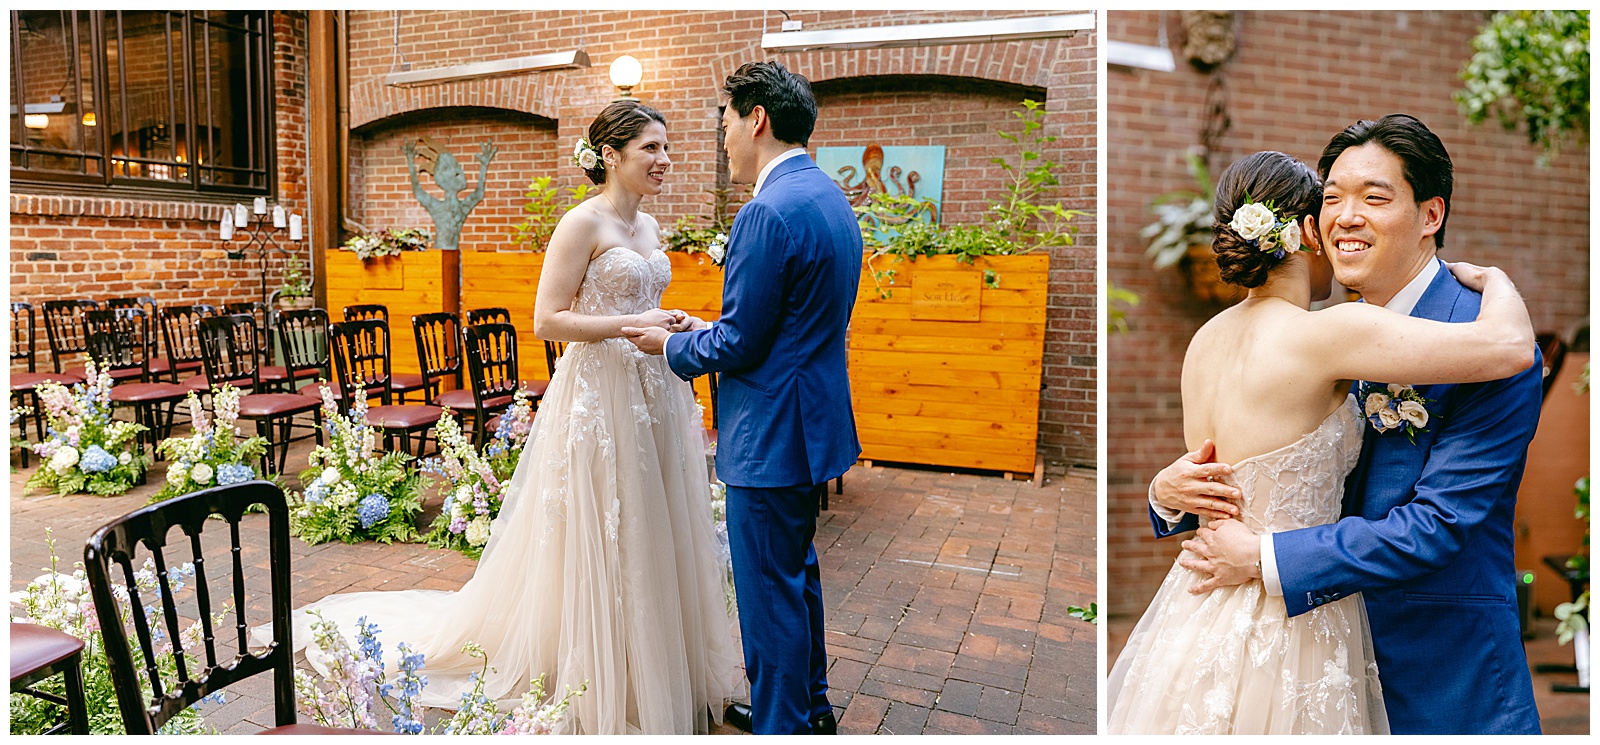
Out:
{"x": 372, "y": 100}
{"x": 1024, "y": 64}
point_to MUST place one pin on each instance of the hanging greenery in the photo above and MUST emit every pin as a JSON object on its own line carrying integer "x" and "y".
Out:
{"x": 1531, "y": 67}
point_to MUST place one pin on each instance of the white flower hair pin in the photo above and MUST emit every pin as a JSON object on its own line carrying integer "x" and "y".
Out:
{"x": 1394, "y": 406}
{"x": 1259, "y": 225}
{"x": 584, "y": 155}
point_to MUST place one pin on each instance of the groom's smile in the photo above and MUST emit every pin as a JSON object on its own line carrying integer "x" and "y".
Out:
{"x": 1381, "y": 236}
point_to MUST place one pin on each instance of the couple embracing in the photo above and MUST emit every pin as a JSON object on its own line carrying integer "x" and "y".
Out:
{"x": 602, "y": 567}
{"x": 1354, "y": 469}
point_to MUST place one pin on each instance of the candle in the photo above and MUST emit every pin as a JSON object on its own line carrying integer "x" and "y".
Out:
{"x": 278, "y": 216}
{"x": 241, "y": 218}
{"x": 227, "y": 226}
{"x": 295, "y": 233}
{"x": 261, "y": 205}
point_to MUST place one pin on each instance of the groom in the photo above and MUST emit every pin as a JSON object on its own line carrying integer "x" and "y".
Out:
{"x": 786, "y": 429}
{"x": 1426, "y": 536}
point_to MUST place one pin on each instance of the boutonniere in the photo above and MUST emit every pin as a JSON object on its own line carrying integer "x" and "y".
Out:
{"x": 1395, "y": 406}
{"x": 718, "y": 249}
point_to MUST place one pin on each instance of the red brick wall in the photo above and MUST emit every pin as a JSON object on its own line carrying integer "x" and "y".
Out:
{"x": 1297, "y": 79}
{"x": 685, "y": 55}
{"x": 106, "y": 246}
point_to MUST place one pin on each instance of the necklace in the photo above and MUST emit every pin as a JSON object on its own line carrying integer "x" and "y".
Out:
{"x": 633, "y": 228}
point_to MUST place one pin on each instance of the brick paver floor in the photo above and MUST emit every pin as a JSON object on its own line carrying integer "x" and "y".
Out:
{"x": 946, "y": 595}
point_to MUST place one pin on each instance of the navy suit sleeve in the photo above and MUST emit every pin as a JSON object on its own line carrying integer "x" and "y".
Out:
{"x": 1469, "y": 468}
{"x": 756, "y": 279}
{"x": 1186, "y": 523}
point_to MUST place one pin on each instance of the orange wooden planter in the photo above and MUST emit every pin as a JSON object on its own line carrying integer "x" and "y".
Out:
{"x": 408, "y": 284}
{"x": 946, "y": 371}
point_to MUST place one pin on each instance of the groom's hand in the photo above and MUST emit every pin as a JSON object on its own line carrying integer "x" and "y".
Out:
{"x": 1193, "y": 484}
{"x": 650, "y": 340}
{"x": 1227, "y": 551}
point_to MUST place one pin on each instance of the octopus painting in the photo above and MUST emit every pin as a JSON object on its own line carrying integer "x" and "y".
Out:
{"x": 871, "y": 180}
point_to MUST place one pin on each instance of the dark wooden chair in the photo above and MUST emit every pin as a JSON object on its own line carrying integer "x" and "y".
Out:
{"x": 39, "y": 653}
{"x": 23, "y": 336}
{"x": 215, "y": 662}
{"x": 230, "y": 355}
{"x": 552, "y": 355}
{"x": 488, "y": 315}
{"x": 120, "y": 340}
{"x": 360, "y": 351}
{"x": 400, "y": 383}
{"x": 439, "y": 352}
{"x": 535, "y": 388}
{"x": 63, "y": 327}
{"x": 491, "y": 352}
{"x": 180, "y": 332}
{"x": 303, "y": 337}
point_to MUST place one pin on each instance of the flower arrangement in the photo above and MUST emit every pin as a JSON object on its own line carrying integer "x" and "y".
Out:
{"x": 585, "y": 156}
{"x": 476, "y": 482}
{"x": 86, "y": 449}
{"x": 388, "y": 243}
{"x": 1260, "y": 226}
{"x": 63, "y": 602}
{"x": 351, "y": 492}
{"x": 348, "y": 694}
{"x": 1531, "y": 68}
{"x": 1394, "y": 406}
{"x": 214, "y": 453}
{"x": 1183, "y": 217}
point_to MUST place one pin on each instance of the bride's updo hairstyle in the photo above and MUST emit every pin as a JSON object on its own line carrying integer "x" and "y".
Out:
{"x": 1268, "y": 176}
{"x": 616, "y": 126}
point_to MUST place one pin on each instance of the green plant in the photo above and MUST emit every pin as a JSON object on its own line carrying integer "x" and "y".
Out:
{"x": 295, "y": 283}
{"x": 353, "y": 491}
{"x": 1090, "y": 614}
{"x": 86, "y": 449}
{"x": 388, "y": 242}
{"x": 1117, "y": 317}
{"x": 1531, "y": 67}
{"x": 701, "y": 234}
{"x": 544, "y": 210}
{"x": 475, "y": 482}
{"x": 1183, "y": 217}
{"x": 1022, "y": 221}
{"x": 215, "y": 453}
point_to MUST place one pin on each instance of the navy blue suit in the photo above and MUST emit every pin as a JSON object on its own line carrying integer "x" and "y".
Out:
{"x": 785, "y": 427}
{"x": 1427, "y": 540}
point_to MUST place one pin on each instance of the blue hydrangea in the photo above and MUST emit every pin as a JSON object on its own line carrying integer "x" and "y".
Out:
{"x": 96, "y": 460}
{"x": 234, "y": 473}
{"x": 374, "y": 508}
{"x": 316, "y": 492}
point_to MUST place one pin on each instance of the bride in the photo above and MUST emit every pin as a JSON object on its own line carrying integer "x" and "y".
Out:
{"x": 601, "y": 568}
{"x": 1269, "y": 381}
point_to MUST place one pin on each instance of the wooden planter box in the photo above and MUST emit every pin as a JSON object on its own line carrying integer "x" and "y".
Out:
{"x": 946, "y": 371}
{"x": 411, "y": 283}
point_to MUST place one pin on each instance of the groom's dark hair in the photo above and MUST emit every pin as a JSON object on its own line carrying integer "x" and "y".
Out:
{"x": 786, "y": 97}
{"x": 1423, "y": 160}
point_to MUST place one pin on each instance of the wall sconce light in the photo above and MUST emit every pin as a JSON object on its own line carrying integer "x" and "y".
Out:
{"x": 88, "y": 119}
{"x": 36, "y": 121}
{"x": 625, "y": 74}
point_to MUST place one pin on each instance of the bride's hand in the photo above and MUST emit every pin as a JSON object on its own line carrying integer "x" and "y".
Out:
{"x": 681, "y": 321}
{"x": 655, "y": 317}
{"x": 1475, "y": 277}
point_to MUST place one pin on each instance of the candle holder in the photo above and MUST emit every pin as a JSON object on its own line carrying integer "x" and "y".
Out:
{"x": 262, "y": 230}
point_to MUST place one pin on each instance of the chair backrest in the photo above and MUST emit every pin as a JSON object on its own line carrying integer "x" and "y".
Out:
{"x": 491, "y": 353}
{"x": 200, "y": 670}
{"x": 180, "y": 331}
{"x": 257, "y": 311}
{"x": 22, "y": 331}
{"x": 63, "y": 327}
{"x": 488, "y": 315}
{"x": 228, "y": 350}
{"x": 438, "y": 345}
{"x": 552, "y": 354}
{"x": 366, "y": 312}
{"x": 303, "y": 337}
{"x": 360, "y": 351}
{"x": 118, "y": 339}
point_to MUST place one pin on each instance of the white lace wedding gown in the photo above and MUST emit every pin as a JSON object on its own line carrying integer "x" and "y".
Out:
{"x": 1231, "y": 661}
{"x": 601, "y": 567}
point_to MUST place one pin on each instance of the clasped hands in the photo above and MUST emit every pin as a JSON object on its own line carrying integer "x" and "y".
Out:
{"x": 1224, "y": 551}
{"x": 648, "y": 330}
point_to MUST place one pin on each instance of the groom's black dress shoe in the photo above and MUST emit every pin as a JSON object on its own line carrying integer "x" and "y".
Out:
{"x": 738, "y": 715}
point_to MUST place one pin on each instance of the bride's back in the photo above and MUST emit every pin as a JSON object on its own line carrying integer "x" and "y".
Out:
{"x": 1243, "y": 392}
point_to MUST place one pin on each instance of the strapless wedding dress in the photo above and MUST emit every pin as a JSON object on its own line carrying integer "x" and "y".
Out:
{"x": 1231, "y": 661}
{"x": 602, "y": 566}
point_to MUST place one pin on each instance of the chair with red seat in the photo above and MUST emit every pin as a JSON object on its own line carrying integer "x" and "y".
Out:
{"x": 39, "y": 653}
{"x": 63, "y": 327}
{"x": 400, "y": 383}
{"x": 23, "y": 334}
{"x": 273, "y": 375}
{"x": 150, "y": 694}
{"x": 180, "y": 329}
{"x": 491, "y": 352}
{"x": 119, "y": 341}
{"x": 439, "y": 352}
{"x": 228, "y": 348}
{"x": 552, "y": 350}
{"x": 303, "y": 338}
{"x": 360, "y": 351}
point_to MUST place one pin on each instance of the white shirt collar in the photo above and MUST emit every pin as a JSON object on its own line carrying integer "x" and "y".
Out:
{"x": 1406, "y": 299}
{"x": 787, "y": 154}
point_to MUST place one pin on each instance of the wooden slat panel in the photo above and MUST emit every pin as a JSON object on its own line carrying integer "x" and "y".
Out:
{"x": 953, "y": 395}
{"x": 991, "y": 314}
{"x": 1000, "y": 350}
{"x": 933, "y": 361}
{"x": 954, "y": 330}
{"x": 986, "y": 460}
{"x": 979, "y": 409}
